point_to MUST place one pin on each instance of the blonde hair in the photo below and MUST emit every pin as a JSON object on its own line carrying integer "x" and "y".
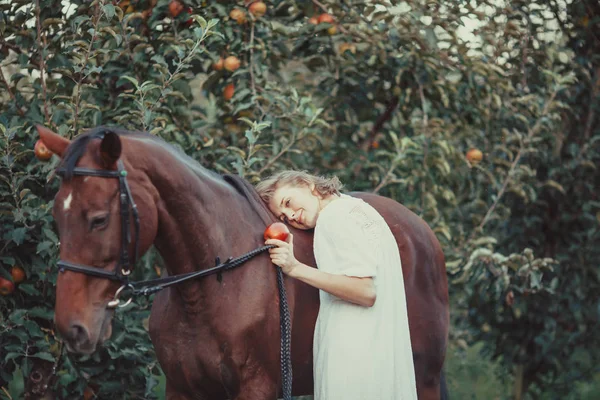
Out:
{"x": 323, "y": 185}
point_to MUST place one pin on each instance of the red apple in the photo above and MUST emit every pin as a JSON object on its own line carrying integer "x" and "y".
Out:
{"x": 277, "y": 230}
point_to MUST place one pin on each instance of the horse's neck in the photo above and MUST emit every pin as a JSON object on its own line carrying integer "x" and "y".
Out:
{"x": 200, "y": 215}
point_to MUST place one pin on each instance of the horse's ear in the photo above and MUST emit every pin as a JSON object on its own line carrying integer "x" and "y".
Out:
{"x": 110, "y": 149}
{"x": 54, "y": 142}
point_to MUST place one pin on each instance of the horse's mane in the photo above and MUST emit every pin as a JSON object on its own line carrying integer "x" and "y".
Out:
{"x": 244, "y": 188}
{"x": 79, "y": 145}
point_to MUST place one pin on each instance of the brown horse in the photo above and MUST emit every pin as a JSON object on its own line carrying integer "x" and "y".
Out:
{"x": 214, "y": 339}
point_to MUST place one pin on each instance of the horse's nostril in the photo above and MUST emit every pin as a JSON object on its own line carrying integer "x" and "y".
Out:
{"x": 78, "y": 333}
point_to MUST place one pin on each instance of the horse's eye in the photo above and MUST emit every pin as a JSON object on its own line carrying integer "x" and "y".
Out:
{"x": 99, "y": 222}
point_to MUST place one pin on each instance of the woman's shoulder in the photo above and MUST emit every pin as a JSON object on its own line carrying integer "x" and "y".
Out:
{"x": 341, "y": 206}
{"x": 346, "y": 212}
{"x": 350, "y": 222}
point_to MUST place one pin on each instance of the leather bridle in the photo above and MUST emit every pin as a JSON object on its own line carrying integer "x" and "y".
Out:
{"x": 123, "y": 268}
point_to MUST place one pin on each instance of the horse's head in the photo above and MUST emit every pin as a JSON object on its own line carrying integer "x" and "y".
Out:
{"x": 88, "y": 213}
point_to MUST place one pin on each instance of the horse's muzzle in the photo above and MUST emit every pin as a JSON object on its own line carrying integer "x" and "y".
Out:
{"x": 77, "y": 339}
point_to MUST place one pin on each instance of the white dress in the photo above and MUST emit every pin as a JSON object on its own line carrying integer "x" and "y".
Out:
{"x": 361, "y": 353}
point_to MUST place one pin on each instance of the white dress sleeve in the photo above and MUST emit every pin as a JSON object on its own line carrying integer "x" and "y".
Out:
{"x": 350, "y": 244}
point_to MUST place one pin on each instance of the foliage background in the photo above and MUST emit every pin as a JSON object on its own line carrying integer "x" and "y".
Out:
{"x": 391, "y": 103}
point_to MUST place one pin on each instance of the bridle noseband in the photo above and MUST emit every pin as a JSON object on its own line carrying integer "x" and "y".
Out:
{"x": 123, "y": 268}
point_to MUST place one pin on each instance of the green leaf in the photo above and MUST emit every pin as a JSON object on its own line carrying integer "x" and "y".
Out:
{"x": 17, "y": 316}
{"x": 50, "y": 235}
{"x": 24, "y": 193}
{"x": 32, "y": 328}
{"x": 20, "y": 334}
{"x": 454, "y": 77}
{"x": 65, "y": 379}
{"x": 555, "y": 185}
{"x": 29, "y": 289}
{"x": 16, "y": 386}
{"x": 148, "y": 115}
{"x": 160, "y": 388}
{"x": 132, "y": 80}
{"x": 213, "y": 22}
{"x": 201, "y": 21}
{"x": 10, "y": 261}
{"x": 43, "y": 246}
{"x": 9, "y": 356}
{"x": 247, "y": 121}
{"x": 536, "y": 279}
{"x": 109, "y": 11}
{"x": 18, "y": 235}
{"x": 261, "y": 126}
{"x": 39, "y": 312}
{"x": 250, "y": 136}
{"x": 44, "y": 356}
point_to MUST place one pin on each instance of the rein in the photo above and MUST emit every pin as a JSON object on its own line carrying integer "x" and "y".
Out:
{"x": 149, "y": 287}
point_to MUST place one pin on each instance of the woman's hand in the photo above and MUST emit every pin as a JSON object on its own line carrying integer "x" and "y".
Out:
{"x": 359, "y": 291}
{"x": 283, "y": 254}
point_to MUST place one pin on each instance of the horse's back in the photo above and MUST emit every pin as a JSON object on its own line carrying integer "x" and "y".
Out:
{"x": 426, "y": 286}
{"x": 422, "y": 256}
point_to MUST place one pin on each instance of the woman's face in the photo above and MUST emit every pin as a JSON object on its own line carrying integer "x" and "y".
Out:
{"x": 298, "y": 206}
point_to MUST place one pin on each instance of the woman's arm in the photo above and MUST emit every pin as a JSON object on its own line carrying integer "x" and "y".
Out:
{"x": 360, "y": 291}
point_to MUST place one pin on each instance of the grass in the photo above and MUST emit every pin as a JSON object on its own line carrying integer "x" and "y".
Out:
{"x": 470, "y": 376}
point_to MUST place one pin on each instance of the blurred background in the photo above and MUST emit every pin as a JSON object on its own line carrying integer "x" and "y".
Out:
{"x": 480, "y": 116}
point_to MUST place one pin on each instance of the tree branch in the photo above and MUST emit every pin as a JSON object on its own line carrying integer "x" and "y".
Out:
{"x": 42, "y": 62}
{"x": 6, "y": 392}
{"x": 97, "y": 16}
{"x": 524, "y": 42}
{"x": 10, "y": 46}
{"x": 425, "y": 116}
{"x": 252, "y": 81}
{"x": 387, "y": 179}
{"x": 531, "y": 133}
{"x": 282, "y": 152}
{"x": 590, "y": 116}
{"x": 11, "y": 94}
{"x": 387, "y": 114}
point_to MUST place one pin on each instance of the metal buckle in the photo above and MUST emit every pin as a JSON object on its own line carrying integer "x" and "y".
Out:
{"x": 114, "y": 303}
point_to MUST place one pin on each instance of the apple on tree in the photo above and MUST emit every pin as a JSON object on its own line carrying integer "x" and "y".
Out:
{"x": 175, "y": 8}
{"x": 474, "y": 156}
{"x": 258, "y": 9}
{"x": 228, "y": 92}
{"x": 218, "y": 66}
{"x": 41, "y": 151}
{"x": 231, "y": 63}
{"x": 327, "y": 19}
{"x": 238, "y": 15}
{"x": 18, "y": 274}
{"x": 6, "y": 287}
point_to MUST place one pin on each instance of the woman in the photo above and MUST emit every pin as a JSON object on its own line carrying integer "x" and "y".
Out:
{"x": 362, "y": 348}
